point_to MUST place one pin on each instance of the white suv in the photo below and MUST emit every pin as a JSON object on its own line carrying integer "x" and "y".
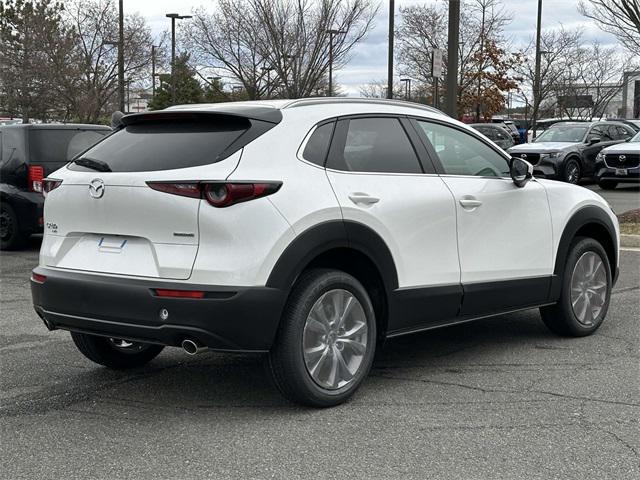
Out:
{"x": 313, "y": 230}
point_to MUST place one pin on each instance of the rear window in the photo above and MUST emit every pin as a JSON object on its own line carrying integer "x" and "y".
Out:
{"x": 152, "y": 146}
{"x": 49, "y": 145}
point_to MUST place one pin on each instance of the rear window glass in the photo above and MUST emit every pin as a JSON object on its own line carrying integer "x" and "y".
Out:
{"x": 48, "y": 145}
{"x": 155, "y": 146}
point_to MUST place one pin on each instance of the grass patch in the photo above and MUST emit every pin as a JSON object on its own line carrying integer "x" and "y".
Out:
{"x": 630, "y": 222}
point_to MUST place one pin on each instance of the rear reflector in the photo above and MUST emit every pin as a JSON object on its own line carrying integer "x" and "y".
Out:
{"x": 34, "y": 178}
{"x": 218, "y": 194}
{"x": 36, "y": 277}
{"x": 160, "y": 292}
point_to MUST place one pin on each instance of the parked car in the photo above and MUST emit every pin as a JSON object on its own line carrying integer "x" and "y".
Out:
{"x": 511, "y": 127}
{"x": 635, "y": 125}
{"x": 28, "y": 153}
{"x": 619, "y": 164}
{"x": 496, "y": 133}
{"x": 567, "y": 151}
{"x": 311, "y": 230}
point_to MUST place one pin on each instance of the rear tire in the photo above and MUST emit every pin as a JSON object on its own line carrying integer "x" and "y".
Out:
{"x": 326, "y": 341}
{"x": 586, "y": 291}
{"x": 572, "y": 171}
{"x": 11, "y": 237}
{"x": 607, "y": 184}
{"x": 114, "y": 353}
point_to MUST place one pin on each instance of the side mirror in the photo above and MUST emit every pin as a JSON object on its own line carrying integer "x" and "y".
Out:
{"x": 521, "y": 171}
{"x": 593, "y": 140}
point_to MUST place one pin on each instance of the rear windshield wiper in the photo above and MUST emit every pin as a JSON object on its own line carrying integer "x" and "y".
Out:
{"x": 92, "y": 163}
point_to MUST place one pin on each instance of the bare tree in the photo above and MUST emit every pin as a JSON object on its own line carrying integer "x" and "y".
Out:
{"x": 277, "y": 47}
{"x": 424, "y": 28}
{"x": 95, "y": 84}
{"x": 618, "y": 17}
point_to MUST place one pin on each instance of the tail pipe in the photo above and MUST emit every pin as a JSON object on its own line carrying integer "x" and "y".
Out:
{"x": 192, "y": 347}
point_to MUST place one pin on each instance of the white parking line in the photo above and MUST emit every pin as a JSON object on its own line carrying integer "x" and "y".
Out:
{"x": 630, "y": 249}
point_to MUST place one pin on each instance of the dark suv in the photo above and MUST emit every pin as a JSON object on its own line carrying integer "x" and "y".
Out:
{"x": 567, "y": 150}
{"x": 28, "y": 153}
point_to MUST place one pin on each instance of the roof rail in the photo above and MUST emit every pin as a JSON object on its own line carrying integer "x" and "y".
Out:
{"x": 303, "y": 102}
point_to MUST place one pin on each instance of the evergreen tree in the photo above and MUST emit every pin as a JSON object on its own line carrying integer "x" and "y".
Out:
{"x": 188, "y": 89}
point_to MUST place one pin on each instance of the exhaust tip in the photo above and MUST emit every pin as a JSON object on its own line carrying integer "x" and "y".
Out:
{"x": 191, "y": 347}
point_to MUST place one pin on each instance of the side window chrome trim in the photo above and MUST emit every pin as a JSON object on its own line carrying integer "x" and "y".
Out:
{"x": 386, "y": 174}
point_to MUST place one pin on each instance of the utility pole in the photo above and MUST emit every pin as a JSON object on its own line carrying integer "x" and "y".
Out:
{"x": 153, "y": 69}
{"x": 174, "y": 17}
{"x": 331, "y": 34}
{"x": 452, "y": 58}
{"x": 390, "y": 60}
{"x": 484, "y": 11}
{"x": 407, "y": 88}
{"x": 121, "y": 55}
{"x": 536, "y": 80}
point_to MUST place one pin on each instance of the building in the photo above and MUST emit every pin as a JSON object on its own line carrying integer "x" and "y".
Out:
{"x": 630, "y": 95}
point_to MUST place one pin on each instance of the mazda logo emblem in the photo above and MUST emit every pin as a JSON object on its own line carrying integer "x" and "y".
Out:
{"x": 622, "y": 158}
{"x": 96, "y": 188}
{"x": 524, "y": 155}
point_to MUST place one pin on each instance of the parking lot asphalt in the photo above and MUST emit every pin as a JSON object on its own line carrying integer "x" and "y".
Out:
{"x": 498, "y": 398}
{"x": 622, "y": 199}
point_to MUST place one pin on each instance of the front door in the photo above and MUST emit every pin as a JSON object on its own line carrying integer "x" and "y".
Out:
{"x": 504, "y": 232}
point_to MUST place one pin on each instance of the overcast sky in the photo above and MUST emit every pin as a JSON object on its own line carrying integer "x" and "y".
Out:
{"x": 369, "y": 61}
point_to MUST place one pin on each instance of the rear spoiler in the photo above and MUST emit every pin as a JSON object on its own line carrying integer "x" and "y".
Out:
{"x": 262, "y": 114}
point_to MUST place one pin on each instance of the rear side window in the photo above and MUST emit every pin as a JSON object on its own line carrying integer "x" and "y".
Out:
{"x": 376, "y": 145}
{"x": 315, "y": 151}
{"x": 60, "y": 146}
{"x": 166, "y": 145}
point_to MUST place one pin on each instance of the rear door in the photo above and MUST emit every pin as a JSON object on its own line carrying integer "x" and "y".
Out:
{"x": 375, "y": 171}
{"x": 105, "y": 217}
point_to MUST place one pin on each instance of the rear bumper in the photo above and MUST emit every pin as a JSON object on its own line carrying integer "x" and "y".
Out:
{"x": 240, "y": 319}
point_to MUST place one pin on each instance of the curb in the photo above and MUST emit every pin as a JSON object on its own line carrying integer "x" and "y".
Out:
{"x": 632, "y": 241}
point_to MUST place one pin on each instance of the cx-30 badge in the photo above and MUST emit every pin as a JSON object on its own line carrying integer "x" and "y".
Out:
{"x": 96, "y": 188}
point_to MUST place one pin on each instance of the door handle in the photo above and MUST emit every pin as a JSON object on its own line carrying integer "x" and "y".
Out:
{"x": 470, "y": 203}
{"x": 363, "y": 198}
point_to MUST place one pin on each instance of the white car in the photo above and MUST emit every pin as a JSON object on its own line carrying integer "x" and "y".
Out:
{"x": 313, "y": 230}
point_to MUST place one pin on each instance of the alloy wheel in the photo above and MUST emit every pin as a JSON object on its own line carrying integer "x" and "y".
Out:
{"x": 335, "y": 339}
{"x": 588, "y": 288}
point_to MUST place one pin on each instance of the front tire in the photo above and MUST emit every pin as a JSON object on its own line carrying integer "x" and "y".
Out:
{"x": 326, "y": 341}
{"x": 572, "y": 171}
{"x": 607, "y": 184}
{"x": 115, "y": 353}
{"x": 586, "y": 291}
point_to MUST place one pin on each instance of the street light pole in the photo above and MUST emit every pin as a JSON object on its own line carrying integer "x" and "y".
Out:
{"x": 536, "y": 80}
{"x": 153, "y": 69}
{"x": 174, "y": 17}
{"x": 390, "y": 59}
{"x": 331, "y": 34}
{"x": 452, "y": 58}
{"x": 121, "y": 55}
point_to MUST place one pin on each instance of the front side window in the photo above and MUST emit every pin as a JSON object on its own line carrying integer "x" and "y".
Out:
{"x": 464, "y": 154}
{"x": 315, "y": 151}
{"x": 376, "y": 145}
{"x": 602, "y": 132}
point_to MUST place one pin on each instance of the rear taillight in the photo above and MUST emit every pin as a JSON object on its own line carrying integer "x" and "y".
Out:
{"x": 49, "y": 184}
{"x": 34, "y": 178}
{"x": 218, "y": 194}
